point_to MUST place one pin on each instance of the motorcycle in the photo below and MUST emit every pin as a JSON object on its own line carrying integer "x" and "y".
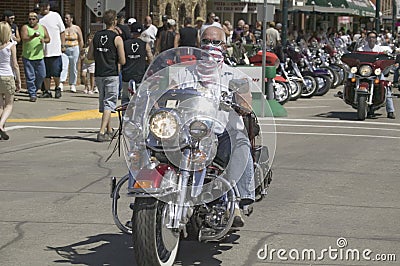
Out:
{"x": 178, "y": 186}
{"x": 365, "y": 88}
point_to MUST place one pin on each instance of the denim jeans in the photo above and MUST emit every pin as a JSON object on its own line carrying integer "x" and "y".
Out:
{"x": 389, "y": 101}
{"x": 235, "y": 148}
{"x": 35, "y": 72}
{"x": 70, "y": 63}
{"x": 396, "y": 75}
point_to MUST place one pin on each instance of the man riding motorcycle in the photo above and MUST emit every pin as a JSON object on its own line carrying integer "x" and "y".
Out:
{"x": 371, "y": 46}
{"x": 233, "y": 143}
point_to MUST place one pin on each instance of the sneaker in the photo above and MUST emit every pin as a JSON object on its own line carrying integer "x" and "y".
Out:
{"x": 96, "y": 90}
{"x": 32, "y": 99}
{"x": 73, "y": 88}
{"x": 57, "y": 93}
{"x": 103, "y": 137}
{"x": 3, "y": 135}
{"x": 391, "y": 115}
{"x": 61, "y": 86}
{"x": 46, "y": 94}
{"x": 90, "y": 92}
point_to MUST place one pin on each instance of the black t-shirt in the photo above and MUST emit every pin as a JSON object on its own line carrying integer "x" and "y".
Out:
{"x": 105, "y": 54}
{"x": 126, "y": 32}
{"x": 167, "y": 40}
{"x": 188, "y": 36}
{"x": 135, "y": 54}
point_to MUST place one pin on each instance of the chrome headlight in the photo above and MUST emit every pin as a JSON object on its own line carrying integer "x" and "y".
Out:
{"x": 164, "y": 125}
{"x": 365, "y": 70}
{"x": 353, "y": 70}
{"x": 378, "y": 71}
{"x": 199, "y": 129}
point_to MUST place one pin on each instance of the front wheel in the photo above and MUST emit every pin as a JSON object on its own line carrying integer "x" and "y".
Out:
{"x": 309, "y": 86}
{"x": 282, "y": 92}
{"x": 323, "y": 85}
{"x": 362, "y": 107}
{"x": 153, "y": 242}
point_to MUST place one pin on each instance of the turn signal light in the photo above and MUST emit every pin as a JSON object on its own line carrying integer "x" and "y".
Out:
{"x": 143, "y": 184}
{"x": 353, "y": 80}
{"x": 376, "y": 81}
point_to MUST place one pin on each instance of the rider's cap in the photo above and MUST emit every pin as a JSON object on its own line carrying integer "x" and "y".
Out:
{"x": 136, "y": 27}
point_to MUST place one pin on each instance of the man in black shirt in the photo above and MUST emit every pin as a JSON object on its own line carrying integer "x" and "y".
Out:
{"x": 137, "y": 52}
{"x": 107, "y": 49}
{"x": 9, "y": 17}
{"x": 188, "y": 36}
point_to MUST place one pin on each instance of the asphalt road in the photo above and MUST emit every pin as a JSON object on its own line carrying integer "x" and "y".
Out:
{"x": 335, "y": 191}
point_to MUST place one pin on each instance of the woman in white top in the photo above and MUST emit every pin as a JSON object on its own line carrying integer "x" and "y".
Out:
{"x": 8, "y": 68}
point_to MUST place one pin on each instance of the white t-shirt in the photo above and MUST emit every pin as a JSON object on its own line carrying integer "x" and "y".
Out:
{"x": 377, "y": 48}
{"x": 5, "y": 61}
{"x": 55, "y": 26}
{"x": 151, "y": 32}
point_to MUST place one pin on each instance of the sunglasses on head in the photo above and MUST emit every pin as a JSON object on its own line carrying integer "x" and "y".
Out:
{"x": 212, "y": 42}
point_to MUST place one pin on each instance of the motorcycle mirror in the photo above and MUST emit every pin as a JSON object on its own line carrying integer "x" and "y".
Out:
{"x": 239, "y": 85}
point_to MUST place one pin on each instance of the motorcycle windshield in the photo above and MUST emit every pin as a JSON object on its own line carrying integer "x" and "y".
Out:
{"x": 182, "y": 106}
{"x": 178, "y": 98}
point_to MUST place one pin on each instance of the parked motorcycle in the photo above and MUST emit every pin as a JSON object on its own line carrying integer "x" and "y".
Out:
{"x": 179, "y": 187}
{"x": 365, "y": 89}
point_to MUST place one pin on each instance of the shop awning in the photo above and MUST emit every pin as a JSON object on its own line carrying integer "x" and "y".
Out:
{"x": 349, "y": 7}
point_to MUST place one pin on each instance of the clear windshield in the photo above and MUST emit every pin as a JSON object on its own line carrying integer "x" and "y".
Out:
{"x": 181, "y": 86}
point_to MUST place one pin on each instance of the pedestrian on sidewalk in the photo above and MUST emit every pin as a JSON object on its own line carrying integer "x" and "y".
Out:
{"x": 52, "y": 50}
{"x": 8, "y": 83}
{"x": 73, "y": 47}
{"x": 107, "y": 49}
{"x": 33, "y": 37}
{"x": 9, "y": 17}
{"x": 88, "y": 67}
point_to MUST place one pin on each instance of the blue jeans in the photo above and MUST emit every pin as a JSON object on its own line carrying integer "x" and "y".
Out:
{"x": 389, "y": 101}
{"x": 71, "y": 65}
{"x": 35, "y": 72}
{"x": 235, "y": 148}
{"x": 396, "y": 75}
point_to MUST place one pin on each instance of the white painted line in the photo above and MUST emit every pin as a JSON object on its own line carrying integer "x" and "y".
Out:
{"x": 306, "y": 107}
{"x": 342, "y": 127}
{"x": 43, "y": 127}
{"x": 328, "y": 121}
{"x": 332, "y": 134}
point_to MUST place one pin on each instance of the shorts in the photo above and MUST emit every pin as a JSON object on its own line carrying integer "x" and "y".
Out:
{"x": 88, "y": 68}
{"x": 108, "y": 92}
{"x": 7, "y": 85}
{"x": 53, "y": 66}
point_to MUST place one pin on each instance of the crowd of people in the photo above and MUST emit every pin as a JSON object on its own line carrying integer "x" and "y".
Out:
{"x": 54, "y": 47}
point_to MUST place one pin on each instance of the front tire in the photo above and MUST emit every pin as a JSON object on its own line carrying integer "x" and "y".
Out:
{"x": 362, "y": 107}
{"x": 153, "y": 243}
{"x": 282, "y": 92}
{"x": 309, "y": 87}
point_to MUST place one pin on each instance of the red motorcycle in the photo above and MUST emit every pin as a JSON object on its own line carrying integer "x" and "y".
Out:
{"x": 365, "y": 88}
{"x": 280, "y": 84}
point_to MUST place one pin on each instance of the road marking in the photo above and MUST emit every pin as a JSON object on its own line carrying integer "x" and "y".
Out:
{"x": 43, "y": 127}
{"x": 73, "y": 116}
{"x": 334, "y": 134}
{"x": 306, "y": 107}
{"x": 328, "y": 121}
{"x": 342, "y": 127}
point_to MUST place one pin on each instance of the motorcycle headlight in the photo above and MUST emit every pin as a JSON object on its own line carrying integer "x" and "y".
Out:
{"x": 163, "y": 124}
{"x": 365, "y": 71}
{"x": 378, "y": 71}
{"x": 199, "y": 129}
{"x": 353, "y": 70}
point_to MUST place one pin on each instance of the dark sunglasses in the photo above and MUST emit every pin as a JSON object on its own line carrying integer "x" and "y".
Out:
{"x": 32, "y": 19}
{"x": 212, "y": 42}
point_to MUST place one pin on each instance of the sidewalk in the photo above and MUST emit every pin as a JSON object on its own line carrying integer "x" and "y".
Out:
{"x": 71, "y": 106}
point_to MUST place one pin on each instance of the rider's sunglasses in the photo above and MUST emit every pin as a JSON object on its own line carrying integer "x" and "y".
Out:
{"x": 212, "y": 42}
{"x": 31, "y": 19}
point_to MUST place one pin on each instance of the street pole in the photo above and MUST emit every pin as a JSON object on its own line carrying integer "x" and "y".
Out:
{"x": 377, "y": 16}
{"x": 285, "y": 17}
{"x": 264, "y": 52}
{"x": 394, "y": 17}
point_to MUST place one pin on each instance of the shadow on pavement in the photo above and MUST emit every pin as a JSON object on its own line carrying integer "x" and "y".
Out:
{"x": 116, "y": 249}
{"x": 93, "y": 139}
{"x": 351, "y": 116}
